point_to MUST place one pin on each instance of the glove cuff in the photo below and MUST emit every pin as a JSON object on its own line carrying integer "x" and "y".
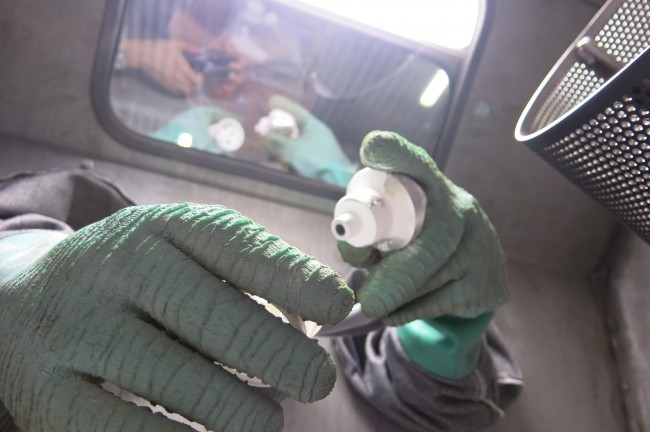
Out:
{"x": 448, "y": 346}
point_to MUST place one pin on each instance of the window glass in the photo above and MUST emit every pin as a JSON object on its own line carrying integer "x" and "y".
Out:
{"x": 271, "y": 83}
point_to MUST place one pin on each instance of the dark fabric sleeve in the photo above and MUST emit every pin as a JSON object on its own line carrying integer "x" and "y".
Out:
{"x": 31, "y": 221}
{"x": 6, "y": 422}
{"x": 377, "y": 367}
{"x": 54, "y": 200}
{"x": 76, "y": 198}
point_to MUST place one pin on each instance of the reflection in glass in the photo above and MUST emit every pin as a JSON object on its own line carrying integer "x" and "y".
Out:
{"x": 271, "y": 84}
{"x": 447, "y": 23}
{"x": 436, "y": 88}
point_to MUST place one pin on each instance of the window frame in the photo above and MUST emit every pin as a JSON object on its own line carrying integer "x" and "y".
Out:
{"x": 460, "y": 66}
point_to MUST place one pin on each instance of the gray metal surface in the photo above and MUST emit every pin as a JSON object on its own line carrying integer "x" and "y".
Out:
{"x": 552, "y": 233}
{"x": 630, "y": 321}
{"x": 541, "y": 217}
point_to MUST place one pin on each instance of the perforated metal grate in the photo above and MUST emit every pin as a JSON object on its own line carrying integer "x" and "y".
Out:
{"x": 576, "y": 86}
{"x": 609, "y": 157}
{"x": 591, "y": 117}
{"x": 627, "y": 33}
{"x": 622, "y": 37}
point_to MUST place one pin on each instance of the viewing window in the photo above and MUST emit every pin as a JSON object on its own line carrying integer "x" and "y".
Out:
{"x": 287, "y": 86}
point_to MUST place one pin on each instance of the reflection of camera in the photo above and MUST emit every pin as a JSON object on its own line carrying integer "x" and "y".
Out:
{"x": 210, "y": 62}
{"x": 216, "y": 68}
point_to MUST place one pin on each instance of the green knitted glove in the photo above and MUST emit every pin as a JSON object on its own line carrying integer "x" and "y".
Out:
{"x": 147, "y": 299}
{"x": 446, "y": 346}
{"x": 316, "y": 153}
{"x": 454, "y": 267}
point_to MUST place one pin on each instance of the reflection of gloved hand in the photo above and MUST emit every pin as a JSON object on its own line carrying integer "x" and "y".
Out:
{"x": 195, "y": 122}
{"x": 316, "y": 152}
{"x": 146, "y": 299}
{"x": 454, "y": 267}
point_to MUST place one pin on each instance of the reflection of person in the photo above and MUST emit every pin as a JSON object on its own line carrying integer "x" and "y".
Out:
{"x": 177, "y": 35}
{"x": 148, "y": 296}
{"x": 159, "y": 37}
{"x": 164, "y": 61}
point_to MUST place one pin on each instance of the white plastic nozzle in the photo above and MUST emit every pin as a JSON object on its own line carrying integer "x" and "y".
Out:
{"x": 228, "y": 133}
{"x": 278, "y": 122}
{"x": 347, "y": 225}
{"x": 382, "y": 210}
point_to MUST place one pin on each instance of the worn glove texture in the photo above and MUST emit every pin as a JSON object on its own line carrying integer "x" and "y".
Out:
{"x": 454, "y": 267}
{"x": 147, "y": 299}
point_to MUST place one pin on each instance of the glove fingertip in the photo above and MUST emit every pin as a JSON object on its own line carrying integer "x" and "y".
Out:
{"x": 277, "y": 101}
{"x": 299, "y": 112}
{"x": 374, "y": 301}
{"x": 388, "y": 151}
{"x": 276, "y": 140}
{"x": 275, "y": 422}
{"x": 372, "y": 306}
{"x": 363, "y": 257}
{"x": 323, "y": 381}
{"x": 340, "y": 298}
{"x": 380, "y": 149}
{"x": 342, "y": 303}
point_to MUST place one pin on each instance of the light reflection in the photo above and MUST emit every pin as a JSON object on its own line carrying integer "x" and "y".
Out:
{"x": 435, "y": 89}
{"x": 185, "y": 140}
{"x": 447, "y": 23}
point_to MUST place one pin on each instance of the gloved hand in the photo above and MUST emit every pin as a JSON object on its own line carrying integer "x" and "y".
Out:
{"x": 315, "y": 153}
{"x": 147, "y": 299}
{"x": 194, "y": 121}
{"x": 454, "y": 267}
